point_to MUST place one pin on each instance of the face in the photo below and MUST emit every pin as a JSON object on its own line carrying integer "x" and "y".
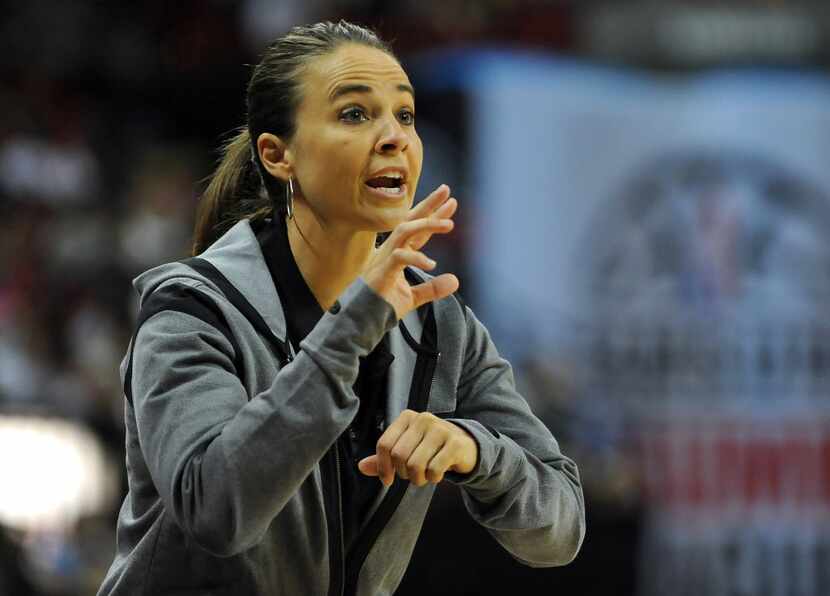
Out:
{"x": 355, "y": 155}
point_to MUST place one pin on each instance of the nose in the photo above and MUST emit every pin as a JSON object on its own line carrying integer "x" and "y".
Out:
{"x": 392, "y": 138}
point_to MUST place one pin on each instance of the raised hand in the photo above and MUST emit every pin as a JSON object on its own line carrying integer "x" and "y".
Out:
{"x": 384, "y": 273}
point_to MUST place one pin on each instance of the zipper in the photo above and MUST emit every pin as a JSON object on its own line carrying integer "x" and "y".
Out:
{"x": 342, "y": 557}
{"x": 429, "y": 379}
{"x": 334, "y": 517}
{"x": 422, "y": 379}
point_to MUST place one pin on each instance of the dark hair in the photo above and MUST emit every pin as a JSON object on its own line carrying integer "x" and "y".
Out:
{"x": 240, "y": 187}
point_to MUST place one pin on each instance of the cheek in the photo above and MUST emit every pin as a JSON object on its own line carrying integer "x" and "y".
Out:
{"x": 343, "y": 158}
{"x": 416, "y": 145}
{"x": 330, "y": 165}
{"x": 416, "y": 158}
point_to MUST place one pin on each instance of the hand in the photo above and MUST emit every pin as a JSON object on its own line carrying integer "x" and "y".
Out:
{"x": 420, "y": 447}
{"x": 384, "y": 273}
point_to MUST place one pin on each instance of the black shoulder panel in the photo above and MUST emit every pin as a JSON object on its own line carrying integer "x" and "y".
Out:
{"x": 235, "y": 297}
{"x": 185, "y": 300}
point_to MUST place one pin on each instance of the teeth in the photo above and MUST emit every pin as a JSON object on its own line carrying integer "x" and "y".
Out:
{"x": 391, "y": 191}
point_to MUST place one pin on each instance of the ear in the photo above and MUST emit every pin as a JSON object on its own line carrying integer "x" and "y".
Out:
{"x": 275, "y": 156}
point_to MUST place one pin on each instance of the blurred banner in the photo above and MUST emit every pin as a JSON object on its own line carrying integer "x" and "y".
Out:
{"x": 661, "y": 243}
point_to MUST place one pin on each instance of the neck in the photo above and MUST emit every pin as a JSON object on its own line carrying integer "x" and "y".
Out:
{"x": 329, "y": 257}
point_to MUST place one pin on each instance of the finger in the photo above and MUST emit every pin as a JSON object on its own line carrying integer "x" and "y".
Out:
{"x": 424, "y": 228}
{"x": 434, "y": 200}
{"x": 368, "y": 466}
{"x": 404, "y": 448}
{"x": 434, "y": 289}
{"x": 445, "y": 211}
{"x": 386, "y": 471}
{"x": 417, "y": 463}
{"x": 403, "y": 257}
{"x": 440, "y": 463}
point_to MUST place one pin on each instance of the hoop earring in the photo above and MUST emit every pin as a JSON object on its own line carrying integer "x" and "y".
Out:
{"x": 289, "y": 198}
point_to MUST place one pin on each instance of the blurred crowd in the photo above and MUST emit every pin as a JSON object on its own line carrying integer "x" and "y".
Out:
{"x": 110, "y": 119}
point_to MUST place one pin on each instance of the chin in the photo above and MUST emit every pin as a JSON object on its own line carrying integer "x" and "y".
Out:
{"x": 386, "y": 219}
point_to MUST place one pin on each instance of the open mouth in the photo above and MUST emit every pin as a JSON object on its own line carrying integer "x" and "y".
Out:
{"x": 391, "y": 184}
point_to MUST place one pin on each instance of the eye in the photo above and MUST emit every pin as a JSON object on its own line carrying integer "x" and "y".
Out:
{"x": 407, "y": 116}
{"x": 353, "y": 115}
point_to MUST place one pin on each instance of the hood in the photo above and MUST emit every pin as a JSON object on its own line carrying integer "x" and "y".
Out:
{"x": 238, "y": 256}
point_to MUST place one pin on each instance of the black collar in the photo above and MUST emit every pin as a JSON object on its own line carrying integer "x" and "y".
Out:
{"x": 302, "y": 312}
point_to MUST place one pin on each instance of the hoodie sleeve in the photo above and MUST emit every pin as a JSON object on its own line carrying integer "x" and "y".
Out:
{"x": 225, "y": 466}
{"x": 523, "y": 490}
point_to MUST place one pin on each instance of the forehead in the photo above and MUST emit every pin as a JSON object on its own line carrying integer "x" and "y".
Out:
{"x": 351, "y": 64}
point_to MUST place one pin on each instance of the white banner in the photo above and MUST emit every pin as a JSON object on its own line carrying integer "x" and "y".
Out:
{"x": 666, "y": 239}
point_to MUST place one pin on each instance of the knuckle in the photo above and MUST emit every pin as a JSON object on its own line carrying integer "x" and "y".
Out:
{"x": 397, "y": 454}
{"x": 424, "y": 419}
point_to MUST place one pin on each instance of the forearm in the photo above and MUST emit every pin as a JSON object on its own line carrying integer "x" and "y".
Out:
{"x": 534, "y": 507}
{"x": 523, "y": 489}
{"x": 226, "y": 466}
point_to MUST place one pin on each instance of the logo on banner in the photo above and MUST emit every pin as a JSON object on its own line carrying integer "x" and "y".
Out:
{"x": 708, "y": 279}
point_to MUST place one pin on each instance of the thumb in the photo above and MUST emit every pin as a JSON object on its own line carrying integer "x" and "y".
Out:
{"x": 368, "y": 465}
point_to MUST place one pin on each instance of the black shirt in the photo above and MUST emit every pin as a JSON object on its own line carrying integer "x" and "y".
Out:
{"x": 302, "y": 312}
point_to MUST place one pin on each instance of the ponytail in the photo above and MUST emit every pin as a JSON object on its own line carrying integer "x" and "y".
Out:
{"x": 234, "y": 192}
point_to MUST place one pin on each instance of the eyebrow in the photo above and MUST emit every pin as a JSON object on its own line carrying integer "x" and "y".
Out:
{"x": 358, "y": 88}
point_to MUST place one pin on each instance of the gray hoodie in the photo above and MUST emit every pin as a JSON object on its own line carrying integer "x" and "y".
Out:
{"x": 231, "y": 439}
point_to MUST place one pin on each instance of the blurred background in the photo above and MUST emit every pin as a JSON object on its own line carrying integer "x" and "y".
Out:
{"x": 643, "y": 226}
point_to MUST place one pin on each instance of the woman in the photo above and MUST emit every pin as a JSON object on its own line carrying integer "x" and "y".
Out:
{"x": 275, "y": 379}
